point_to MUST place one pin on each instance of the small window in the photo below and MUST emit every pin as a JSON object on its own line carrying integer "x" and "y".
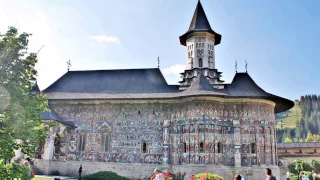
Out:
{"x": 82, "y": 141}
{"x": 203, "y": 45}
{"x": 191, "y": 46}
{"x": 105, "y": 141}
{"x": 208, "y": 46}
{"x": 253, "y": 148}
{"x": 315, "y": 151}
{"x": 201, "y": 147}
{"x": 220, "y": 150}
{"x": 200, "y": 62}
{"x": 144, "y": 147}
{"x": 300, "y": 151}
{"x": 139, "y": 112}
{"x": 184, "y": 147}
{"x": 189, "y": 54}
{"x": 196, "y": 45}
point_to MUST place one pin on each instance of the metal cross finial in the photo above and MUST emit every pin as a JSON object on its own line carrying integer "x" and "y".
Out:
{"x": 246, "y": 66}
{"x": 158, "y": 62}
{"x": 69, "y": 64}
{"x": 236, "y": 66}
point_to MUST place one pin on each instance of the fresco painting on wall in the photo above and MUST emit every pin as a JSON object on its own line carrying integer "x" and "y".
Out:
{"x": 197, "y": 133}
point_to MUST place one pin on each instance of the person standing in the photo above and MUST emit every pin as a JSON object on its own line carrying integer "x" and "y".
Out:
{"x": 26, "y": 163}
{"x": 158, "y": 175}
{"x": 237, "y": 177}
{"x": 288, "y": 175}
{"x": 314, "y": 175}
{"x": 269, "y": 175}
{"x": 80, "y": 171}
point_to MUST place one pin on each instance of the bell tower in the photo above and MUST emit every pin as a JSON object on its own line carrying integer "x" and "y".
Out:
{"x": 200, "y": 41}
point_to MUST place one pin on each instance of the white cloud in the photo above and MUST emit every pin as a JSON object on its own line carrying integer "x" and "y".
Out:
{"x": 175, "y": 69}
{"x": 105, "y": 39}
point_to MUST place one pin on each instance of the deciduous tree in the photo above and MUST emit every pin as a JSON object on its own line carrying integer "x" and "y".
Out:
{"x": 19, "y": 104}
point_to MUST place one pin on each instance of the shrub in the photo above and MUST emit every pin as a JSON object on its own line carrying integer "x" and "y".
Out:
{"x": 102, "y": 175}
{"x": 206, "y": 176}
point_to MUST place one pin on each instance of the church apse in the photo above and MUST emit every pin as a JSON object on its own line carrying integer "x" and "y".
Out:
{"x": 204, "y": 132}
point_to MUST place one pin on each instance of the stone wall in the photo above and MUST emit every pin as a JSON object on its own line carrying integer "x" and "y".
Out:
{"x": 140, "y": 171}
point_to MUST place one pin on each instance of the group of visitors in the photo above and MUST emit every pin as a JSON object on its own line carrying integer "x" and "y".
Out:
{"x": 269, "y": 175}
{"x": 311, "y": 176}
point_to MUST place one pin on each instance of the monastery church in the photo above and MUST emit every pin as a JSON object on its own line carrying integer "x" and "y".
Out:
{"x": 131, "y": 121}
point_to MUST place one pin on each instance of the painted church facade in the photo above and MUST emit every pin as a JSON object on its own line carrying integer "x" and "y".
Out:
{"x": 133, "y": 117}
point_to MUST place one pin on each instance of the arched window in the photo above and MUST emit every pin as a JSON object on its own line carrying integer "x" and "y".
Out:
{"x": 105, "y": 141}
{"x": 82, "y": 141}
{"x": 188, "y": 54}
{"x": 201, "y": 147}
{"x": 200, "y": 62}
{"x": 220, "y": 150}
{"x": 144, "y": 147}
{"x": 196, "y": 45}
{"x": 203, "y": 45}
{"x": 253, "y": 148}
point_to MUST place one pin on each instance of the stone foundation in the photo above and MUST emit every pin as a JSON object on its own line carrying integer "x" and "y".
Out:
{"x": 141, "y": 171}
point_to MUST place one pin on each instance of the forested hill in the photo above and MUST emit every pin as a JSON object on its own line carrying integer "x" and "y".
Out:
{"x": 295, "y": 124}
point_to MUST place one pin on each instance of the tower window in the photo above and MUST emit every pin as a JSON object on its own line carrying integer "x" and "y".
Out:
{"x": 189, "y": 54}
{"x": 184, "y": 147}
{"x": 200, "y": 62}
{"x": 253, "y": 148}
{"x": 196, "y": 45}
{"x": 191, "y": 46}
{"x": 144, "y": 147}
{"x": 201, "y": 147}
{"x": 203, "y": 45}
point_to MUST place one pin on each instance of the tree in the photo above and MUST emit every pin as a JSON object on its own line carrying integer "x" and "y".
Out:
{"x": 20, "y": 107}
{"x": 288, "y": 140}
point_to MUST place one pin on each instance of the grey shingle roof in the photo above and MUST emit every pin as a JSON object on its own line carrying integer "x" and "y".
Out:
{"x": 299, "y": 145}
{"x": 112, "y": 81}
{"x": 200, "y": 23}
{"x": 150, "y": 84}
{"x": 243, "y": 85}
{"x": 52, "y": 116}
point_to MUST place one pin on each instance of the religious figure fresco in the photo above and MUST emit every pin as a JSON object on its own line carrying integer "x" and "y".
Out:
{"x": 201, "y": 133}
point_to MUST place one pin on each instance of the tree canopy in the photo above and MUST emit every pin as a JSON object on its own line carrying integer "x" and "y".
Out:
{"x": 20, "y": 104}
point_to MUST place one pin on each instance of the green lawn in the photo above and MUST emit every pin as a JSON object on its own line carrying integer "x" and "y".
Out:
{"x": 290, "y": 120}
{"x": 41, "y": 178}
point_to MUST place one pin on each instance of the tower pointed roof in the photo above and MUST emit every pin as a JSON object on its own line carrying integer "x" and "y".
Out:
{"x": 200, "y": 23}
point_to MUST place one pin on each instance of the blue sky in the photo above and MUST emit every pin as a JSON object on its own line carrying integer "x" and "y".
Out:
{"x": 279, "y": 39}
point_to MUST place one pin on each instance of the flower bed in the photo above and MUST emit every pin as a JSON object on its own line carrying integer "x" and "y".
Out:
{"x": 174, "y": 176}
{"x": 206, "y": 176}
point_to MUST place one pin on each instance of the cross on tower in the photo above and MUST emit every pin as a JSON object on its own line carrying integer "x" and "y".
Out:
{"x": 236, "y": 66}
{"x": 246, "y": 66}
{"x": 69, "y": 64}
